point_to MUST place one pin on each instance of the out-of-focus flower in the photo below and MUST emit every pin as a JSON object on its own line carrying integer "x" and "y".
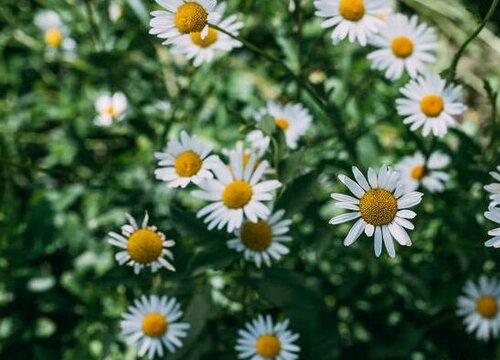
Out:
{"x": 416, "y": 171}
{"x": 55, "y": 34}
{"x": 494, "y": 188}
{"x": 493, "y": 214}
{"x": 110, "y": 108}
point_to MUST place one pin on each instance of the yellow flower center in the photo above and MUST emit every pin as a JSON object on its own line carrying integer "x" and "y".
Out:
{"x": 237, "y": 194}
{"x": 53, "y": 37}
{"x": 418, "y": 172}
{"x": 268, "y": 346}
{"x": 256, "y": 236}
{"x": 191, "y": 17}
{"x": 432, "y": 105}
{"x": 487, "y": 306}
{"x": 352, "y": 10}
{"x": 402, "y": 47}
{"x": 110, "y": 110}
{"x": 207, "y": 41}
{"x": 144, "y": 246}
{"x": 283, "y": 124}
{"x": 154, "y": 324}
{"x": 188, "y": 163}
{"x": 378, "y": 207}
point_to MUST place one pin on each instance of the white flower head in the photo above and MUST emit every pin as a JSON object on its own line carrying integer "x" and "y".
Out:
{"x": 110, "y": 108}
{"x": 380, "y": 206}
{"x": 357, "y": 20}
{"x": 55, "y": 34}
{"x": 261, "y": 339}
{"x": 479, "y": 306}
{"x": 493, "y": 214}
{"x": 236, "y": 192}
{"x": 262, "y": 241}
{"x": 182, "y": 17}
{"x": 142, "y": 246}
{"x": 430, "y": 103}
{"x": 185, "y": 161}
{"x": 151, "y": 324}
{"x": 258, "y": 141}
{"x": 416, "y": 170}
{"x": 494, "y": 188}
{"x": 404, "y": 45}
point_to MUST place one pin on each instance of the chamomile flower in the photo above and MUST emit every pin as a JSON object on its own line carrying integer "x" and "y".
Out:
{"x": 380, "y": 206}
{"x": 151, "y": 325}
{"x": 355, "y": 19}
{"x": 182, "y": 17}
{"x": 494, "y": 188}
{"x": 204, "y": 50}
{"x": 493, "y": 214}
{"x": 262, "y": 241}
{"x": 430, "y": 103}
{"x": 480, "y": 306}
{"x": 403, "y": 45}
{"x": 415, "y": 170}
{"x": 55, "y": 34}
{"x": 258, "y": 141}
{"x": 261, "y": 339}
{"x": 142, "y": 246}
{"x": 110, "y": 108}
{"x": 236, "y": 192}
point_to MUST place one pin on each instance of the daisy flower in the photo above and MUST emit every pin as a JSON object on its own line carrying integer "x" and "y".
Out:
{"x": 292, "y": 119}
{"x": 262, "y": 240}
{"x": 380, "y": 206}
{"x": 355, "y": 19}
{"x": 55, "y": 34}
{"x": 142, "y": 246}
{"x": 185, "y": 161}
{"x": 182, "y": 17}
{"x": 110, "y": 108}
{"x": 493, "y": 214}
{"x": 262, "y": 340}
{"x": 151, "y": 324}
{"x": 203, "y": 50}
{"x": 494, "y": 188}
{"x": 258, "y": 141}
{"x": 430, "y": 103}
{"x": 479, "y": 306}
{"x": 403, "y": 45}
{"x": 236, "y": 193}
{"x": 416, "y": 170}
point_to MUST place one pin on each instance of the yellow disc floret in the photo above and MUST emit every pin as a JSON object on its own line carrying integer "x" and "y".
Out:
{"x": 188, "y": 164}
{"x": 487, "y": 306}
{"x": 402, "y": 47}
{"x": 237, "y": 194}
{"x": 432, "y": 105}
{"x": 154, "y": 324}
{"x": 352, "y": 10}
{"x": 53, "y": 37}
{"x": 378, "y": 207}
{"x": 191, "y": 17}
{"x": 144, "y": 246}
{"x": 418, "y": 172}
{"x": 110, "y": 110}
{"x": 207, "y": 41}
{"x": 283, "y": 124}
{"x": 256, "y": 236}
{"x": 268, "y": 346}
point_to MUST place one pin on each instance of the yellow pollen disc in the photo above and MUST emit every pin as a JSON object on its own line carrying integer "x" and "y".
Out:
{"x": 352, "y": 10}
{"x": 402, "y": 47}
{"x": 110, "y": 110}
{"x": 487, "y": 306}
{"x": 432, "y": 105}
{"x": 53, "y": 37}
{"x": 154, "y": 324}
{"x": 268, "y": 346}
{"x": 207, "y": 41}
{"x": 283, "y": 124}
{"x": 144, "y": 246}
{"x": 237, "y": 194}
{"x": 418, "y": 172}
{"x": 256, "y": 236}
{"x": 191, "y": 17}
{"x": 188, "y": 164}
{"x": 378, "y": 207}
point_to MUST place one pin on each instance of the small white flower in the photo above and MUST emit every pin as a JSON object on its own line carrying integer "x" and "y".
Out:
{"x": 403, "y": 45}
{"x": 55, "y": 34}
{"x": 494, "y": 188}
{"x": 355, "y": 19}
{"x": 380, "y": 205}
{"x": 493, "y": 214}
{"x": 185, "y": 161}
{"x": 416, "y": 170}
{"x": 430, "y": 103}
{"x": 262, "y": 241}
{"x": 110, "y": 108}
{"x": 142, "y": 246}
{"x": 183, "y": 17}
{"x": 151, "y": 325}
{"x": 258, "y": 141}
{"x": 262, "y": 340}
{"x": 479, "y": 306}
